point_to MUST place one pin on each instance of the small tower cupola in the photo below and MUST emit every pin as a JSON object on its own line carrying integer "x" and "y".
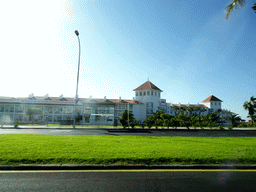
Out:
{"x": 213, "y": 103}
{"x": 147, "y": 89}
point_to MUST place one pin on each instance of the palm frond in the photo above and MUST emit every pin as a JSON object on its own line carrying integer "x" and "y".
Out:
{"x": 232, "y": 6}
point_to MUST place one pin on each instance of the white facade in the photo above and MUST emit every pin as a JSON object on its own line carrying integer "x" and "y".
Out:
{"x": 147, "y": 100}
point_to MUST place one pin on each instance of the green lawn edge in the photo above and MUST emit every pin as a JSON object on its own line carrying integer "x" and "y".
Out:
{"x": 52, "y": 149}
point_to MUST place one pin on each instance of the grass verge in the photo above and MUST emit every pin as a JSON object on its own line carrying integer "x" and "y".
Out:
{"x": 49, "y": 149}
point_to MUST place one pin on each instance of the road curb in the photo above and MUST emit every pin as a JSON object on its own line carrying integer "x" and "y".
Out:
{"x": 120, "y": 167}
{"x": 127, "y": 130}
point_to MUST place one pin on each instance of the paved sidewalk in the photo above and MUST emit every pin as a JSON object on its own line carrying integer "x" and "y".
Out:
{"x": 122, "y": 167}
{"x": 118, "y": 128}
{"x": 56, "y": 127}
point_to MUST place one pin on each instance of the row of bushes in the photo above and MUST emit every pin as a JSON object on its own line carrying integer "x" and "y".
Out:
{"x": 162, "y": 119}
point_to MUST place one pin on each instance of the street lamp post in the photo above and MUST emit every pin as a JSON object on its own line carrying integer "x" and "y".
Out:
{"x": 76, "y": 98}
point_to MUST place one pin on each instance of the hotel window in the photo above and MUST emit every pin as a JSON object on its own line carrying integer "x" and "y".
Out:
{"x": 149, "y": 108}
{"x": 140, "y": 93}
{"x": 144, "y": 93}
{"x": 148, "y": 93}
{"x": 1, "y": 108}
{"x": 158, "y": 94}
{"x": 137, "y": 94}
{"x": 151, "y": 92}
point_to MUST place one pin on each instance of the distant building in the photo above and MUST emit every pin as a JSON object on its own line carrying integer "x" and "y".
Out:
{"x": 99, "y": 111}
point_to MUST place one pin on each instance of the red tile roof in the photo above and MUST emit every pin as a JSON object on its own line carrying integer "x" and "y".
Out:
{"x": 60, "y": 101}
{"x": 186, "y": 105}
{"x": 147, "y": 85}
{"x": 116, "y": 101}
{"x": 212, "y": 98}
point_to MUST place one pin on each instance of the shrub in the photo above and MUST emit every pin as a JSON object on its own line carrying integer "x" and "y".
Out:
{"x": 221, "y": 127}
{"x": 159, "y": 122}
{"x": 16, "y": 123}
{"x": 243, "y": 124}
{"x": 124, "y": 118}
{"x": 149, "y": 121}
{"x": 230, "y": 127}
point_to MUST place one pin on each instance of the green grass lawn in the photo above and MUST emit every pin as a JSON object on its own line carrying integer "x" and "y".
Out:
{"x": 49, "y": 149}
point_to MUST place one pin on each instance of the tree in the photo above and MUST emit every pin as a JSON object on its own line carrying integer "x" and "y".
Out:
{"x": 79, "y": 117}
{"x": 175, "y": 108}
{"x": 32, "y": 112}
{"x": 254, "y": 7}
{"x": 250, "y": 107}
{"x": 158, "y": 123}
{"x": 149, "y": 121}
{"x": 185, "y": 120}
{"x": 234, "y": 119}
{"x": 174, "y": 121}
{"x": 202, "y": 110}
{"x": 181, "y": 109}
{"x": 157, "y": 114}
{"x": 197, "y": 109}
{"x": 190, "y": 110}
{"x": 195, "y": 121}
{"x": 134, "y": 122}
{"x": 165, "y": 117}
{"x": 124, "y": 118}
{"x": 235, "y": 4}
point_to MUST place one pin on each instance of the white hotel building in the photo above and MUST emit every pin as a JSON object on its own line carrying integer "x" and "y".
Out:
{"x": 97, "y": 111}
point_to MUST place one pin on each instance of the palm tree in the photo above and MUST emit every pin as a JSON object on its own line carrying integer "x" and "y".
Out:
{"x": 181, "y": 109}
{"x": 235, "y": 5}
{"x": 175, "y": 108}
{"x": 254, "y": 7}
{"x": 250, "y": 106}
{"x": 202, "y": 110}
{"x": 189, "y": 110}
{"x": 184, "y": 120}
{"x": 197, "y": 109}
{"x": 234, "y": 119}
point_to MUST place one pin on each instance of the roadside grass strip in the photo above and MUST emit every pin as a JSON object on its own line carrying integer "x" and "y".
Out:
{"x": 52, "y": 149}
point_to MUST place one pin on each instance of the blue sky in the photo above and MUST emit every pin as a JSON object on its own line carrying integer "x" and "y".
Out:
{"x": 186, "y": 48}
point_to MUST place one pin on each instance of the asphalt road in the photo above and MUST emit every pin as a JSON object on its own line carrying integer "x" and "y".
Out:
{"x": 182, "y": 133}
{"x": 178, "y": 180}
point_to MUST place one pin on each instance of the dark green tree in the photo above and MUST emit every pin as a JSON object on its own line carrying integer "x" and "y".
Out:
{"x": 234, "y": 119}
{"x": 157, "y": 114}
{"x": 174, "y": 121}
{"x": 190, "y": 110}
{"x": 175, "y": 108}
{"x": 250, "y": 107}
{"x": 32, "y": 112}
{"x": 124, "y": 118}
{"x": 149, "y": 121}
{"x": 185, "y": 120}
{"x": 165, "y": 117}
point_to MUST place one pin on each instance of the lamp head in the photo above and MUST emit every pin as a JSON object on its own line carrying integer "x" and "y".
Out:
{"x": 76, "y": 32}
